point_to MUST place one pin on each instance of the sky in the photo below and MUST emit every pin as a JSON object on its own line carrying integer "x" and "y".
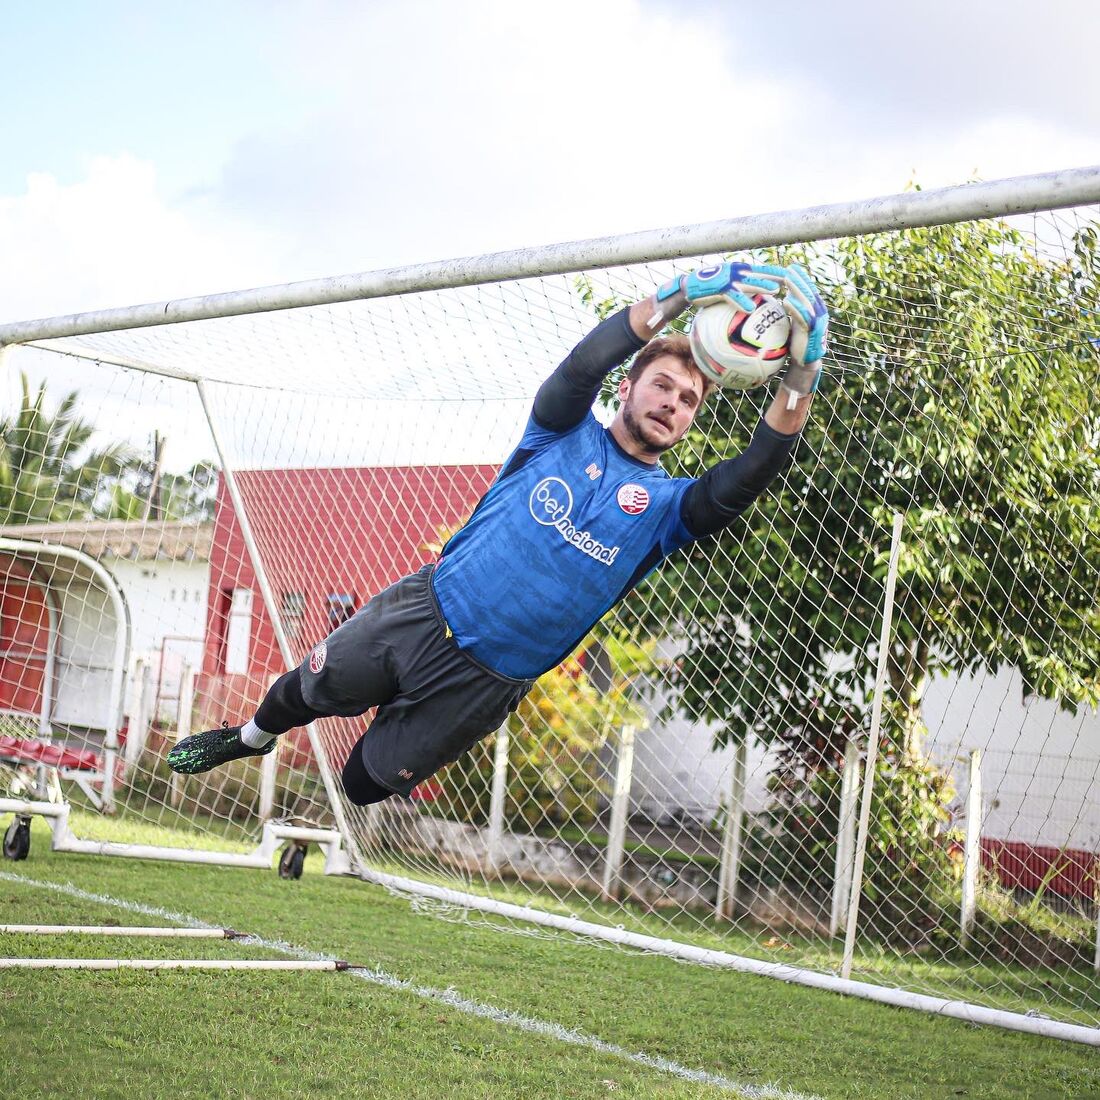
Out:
{"x": 155, "y": 151}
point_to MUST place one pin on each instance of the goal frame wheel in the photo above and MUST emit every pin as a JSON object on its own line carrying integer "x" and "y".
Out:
{"x": 17, "y": 838}
{"x": 292, "y": 861}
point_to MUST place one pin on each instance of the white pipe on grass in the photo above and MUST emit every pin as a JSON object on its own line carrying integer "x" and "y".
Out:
{"x": 939, "y": 1006}
{"x": 117, "y": 930}
{"x": 172, "y": 964}
{"x": 63, "y": 840}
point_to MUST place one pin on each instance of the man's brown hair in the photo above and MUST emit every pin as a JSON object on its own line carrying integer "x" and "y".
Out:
{"x": 675, "y": 344}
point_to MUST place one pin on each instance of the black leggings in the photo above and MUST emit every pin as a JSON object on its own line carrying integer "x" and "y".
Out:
{"x": 283, "y": 708}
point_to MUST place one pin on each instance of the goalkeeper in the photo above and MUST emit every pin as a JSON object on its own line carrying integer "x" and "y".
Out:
{"x": 578, "y": 515}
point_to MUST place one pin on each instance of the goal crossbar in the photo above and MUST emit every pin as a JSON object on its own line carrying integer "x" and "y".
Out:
{"x": 907, "y": 210}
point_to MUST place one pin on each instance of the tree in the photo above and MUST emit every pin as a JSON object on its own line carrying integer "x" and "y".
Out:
{"x": 49, "y": 470}
{"x": 961, "y": 390}
{"x": 141, "y": 492}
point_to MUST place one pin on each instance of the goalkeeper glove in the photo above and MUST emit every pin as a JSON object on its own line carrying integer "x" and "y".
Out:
{"x": 735, "y": 281}
{"x": 809, "y": 330}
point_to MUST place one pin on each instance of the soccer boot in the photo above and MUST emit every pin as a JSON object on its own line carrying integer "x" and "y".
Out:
{"x": 202, "y": 751}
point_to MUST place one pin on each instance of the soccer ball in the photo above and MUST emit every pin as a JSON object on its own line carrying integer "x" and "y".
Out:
{"x": 739, "y": 350}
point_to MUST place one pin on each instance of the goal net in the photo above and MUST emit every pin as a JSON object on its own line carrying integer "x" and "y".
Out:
{"x": 188, "y": 508}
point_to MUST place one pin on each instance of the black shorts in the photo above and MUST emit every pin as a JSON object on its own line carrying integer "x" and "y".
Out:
{"x": 434, "y": 701}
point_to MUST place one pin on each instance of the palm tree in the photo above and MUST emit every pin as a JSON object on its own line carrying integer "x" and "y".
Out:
{"x": 49, "y": 471}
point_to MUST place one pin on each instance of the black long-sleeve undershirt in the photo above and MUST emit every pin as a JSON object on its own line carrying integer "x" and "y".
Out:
{"x": 566, "y": 396}
{"x": 724, "y": 491}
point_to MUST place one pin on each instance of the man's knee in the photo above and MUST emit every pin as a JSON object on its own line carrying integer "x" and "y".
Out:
{"x": 360, "y": 788}
{"x": 283, "y": 707}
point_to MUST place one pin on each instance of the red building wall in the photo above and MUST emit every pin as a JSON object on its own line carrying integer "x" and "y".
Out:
{"x": 320, "y": 532}
{"x": 1066, "y": 872}
{"x": 24, "y": 638}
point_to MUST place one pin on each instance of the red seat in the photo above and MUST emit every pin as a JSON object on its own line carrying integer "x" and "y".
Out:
{"x": 29, "y": 751}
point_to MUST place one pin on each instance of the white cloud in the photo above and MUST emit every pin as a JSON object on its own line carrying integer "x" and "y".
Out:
{"x": 112, "y": 239}
{"x": 518, "y": 126}
{"x": 430, "y": 129}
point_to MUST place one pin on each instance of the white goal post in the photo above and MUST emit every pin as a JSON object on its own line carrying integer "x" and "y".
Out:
{"x": 325, "y": 437}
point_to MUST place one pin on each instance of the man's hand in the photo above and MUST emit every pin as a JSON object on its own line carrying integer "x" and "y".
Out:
{"x": 735, "y": 281}
{"x": 809, "y": 330}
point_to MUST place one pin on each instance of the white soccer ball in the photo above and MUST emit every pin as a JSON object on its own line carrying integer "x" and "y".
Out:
{"x": 739, "y": 350}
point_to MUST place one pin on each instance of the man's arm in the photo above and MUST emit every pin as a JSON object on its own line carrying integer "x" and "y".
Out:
{"x": 564, "y": 399}
{"x": 728, "y": 488}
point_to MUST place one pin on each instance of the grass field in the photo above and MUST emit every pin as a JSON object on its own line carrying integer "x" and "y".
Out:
{"x": 444, "y": 1009}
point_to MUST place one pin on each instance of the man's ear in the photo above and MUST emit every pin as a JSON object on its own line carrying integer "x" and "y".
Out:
{"x": 624, "y": 388}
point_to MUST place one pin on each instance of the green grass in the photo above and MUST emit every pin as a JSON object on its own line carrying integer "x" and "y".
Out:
{"x": 126, "y": 1034}
{"x": 1063, "y": 992}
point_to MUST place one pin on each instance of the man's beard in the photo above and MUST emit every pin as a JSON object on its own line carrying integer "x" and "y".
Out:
{"x": 636, "y": 430}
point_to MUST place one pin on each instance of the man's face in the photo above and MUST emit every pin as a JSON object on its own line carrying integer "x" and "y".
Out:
{"x": 658, "y": 408}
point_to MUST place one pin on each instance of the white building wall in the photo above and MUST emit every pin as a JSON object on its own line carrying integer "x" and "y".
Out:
{"x": 677, "y": 772}
{"x": 86, "y": 647}
{"x": 167, "y": 602}
{"x": 1040, "y": 765}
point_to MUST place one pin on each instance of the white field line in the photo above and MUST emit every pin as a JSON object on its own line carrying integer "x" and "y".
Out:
{"x": 448, "y": 997}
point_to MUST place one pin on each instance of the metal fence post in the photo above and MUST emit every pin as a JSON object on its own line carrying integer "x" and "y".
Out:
{"x": 845, "y": 837}
{"x": 729, "y": 867}
{"x": 497, "y": 797}
{"x": 852, "y": 919}
{"x": 620, "y": 807}
{"x": 972, "y": 848}
{"x": 268, "y": 766}
{"x": 183, "y": 725}
{"x": 136, "y": 726}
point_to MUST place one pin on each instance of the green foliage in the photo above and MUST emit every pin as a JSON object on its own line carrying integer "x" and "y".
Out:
{"x": 188, "y": 496}
{"x": 1006, "y": 929}
{"x": 961, "y": 390}
{"x": 555, "y": 739}
{"x": 51, "y": 471}
{"x": 912, "y": 855}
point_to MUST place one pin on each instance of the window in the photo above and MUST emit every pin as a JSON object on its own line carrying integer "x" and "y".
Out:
{"x": 341, "y": 607}
{"x": 238, "y": 636}
{"x": 292, "y": 613}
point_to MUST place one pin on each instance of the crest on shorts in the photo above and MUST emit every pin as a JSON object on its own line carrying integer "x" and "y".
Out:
{"x": 317, "y": 658}
{"x": 633, "y": 499}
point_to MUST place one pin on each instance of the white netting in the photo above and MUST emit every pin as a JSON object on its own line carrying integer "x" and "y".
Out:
{"x": 961, "y": 392}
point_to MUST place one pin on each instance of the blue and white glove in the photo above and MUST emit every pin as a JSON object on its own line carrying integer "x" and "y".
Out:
{"x": 734, "y": 281}
{"x": 809, "y": 330}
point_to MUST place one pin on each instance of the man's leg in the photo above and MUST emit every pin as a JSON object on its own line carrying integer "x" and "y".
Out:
{"x": 345, "y": 675}
{"x": 360, "y": 788}
{"x": 282, "y": 709}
